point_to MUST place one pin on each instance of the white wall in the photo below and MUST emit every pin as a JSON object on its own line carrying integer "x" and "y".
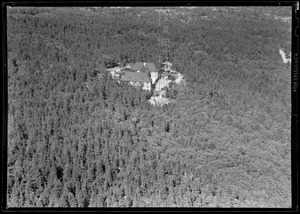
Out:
{"x": 283, "y": 56}
{"x": 154, "y": 76}
{"x": 147, "y": 86}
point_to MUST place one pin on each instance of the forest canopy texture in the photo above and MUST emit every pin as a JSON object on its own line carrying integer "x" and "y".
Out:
{"x": 223, "y": 142}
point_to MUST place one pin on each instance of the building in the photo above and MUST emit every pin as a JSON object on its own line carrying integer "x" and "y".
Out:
{"x": 179, "y": 78}
{"x": 146, "y": 67}
{"x": 154, "y": 76}
{"x": 165, "y": 75}
{"x": 167, "y": 66}
{"x": 162, "y": 83}
{"x": 115, "y": 72}
{"x": 138, "y": 65}
{"x": 129, "y": 65}
{"x": 138, "y": 79}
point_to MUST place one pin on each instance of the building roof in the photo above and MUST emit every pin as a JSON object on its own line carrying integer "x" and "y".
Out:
{"x": 129, "y": 70}
{"x": 164, "y": 74}
{"x": 139, "y": 65}
{"x": 129, "y": 65}
{"x": 144, "y": 69}
{"x": 136, "y": 77}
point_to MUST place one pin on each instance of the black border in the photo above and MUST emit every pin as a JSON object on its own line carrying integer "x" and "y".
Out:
{"x": 295, "y": 104}
{"x": 294, "y": 92}
{"x": 152, "y": 3}
{"x": 4, "y": 108}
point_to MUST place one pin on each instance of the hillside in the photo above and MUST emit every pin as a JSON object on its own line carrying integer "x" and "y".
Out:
{"x": 224, "y": 142}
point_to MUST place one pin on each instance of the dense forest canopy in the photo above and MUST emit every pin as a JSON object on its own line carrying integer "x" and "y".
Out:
{"x": 224, "y": 142}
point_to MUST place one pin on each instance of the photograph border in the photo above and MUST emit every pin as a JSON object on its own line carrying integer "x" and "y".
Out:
{"x": 294, "y": 91}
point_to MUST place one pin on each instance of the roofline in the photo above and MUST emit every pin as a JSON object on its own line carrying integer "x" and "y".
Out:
{"x": 136, "y": 81}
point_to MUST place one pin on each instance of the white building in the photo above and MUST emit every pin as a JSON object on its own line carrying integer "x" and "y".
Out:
{"x": 138, "y": 79}
{"x": 167, "y": 66}
{"x": 283, "y": 56}
{"x": 154, "y": 76}
{"x": 162, "y": 83}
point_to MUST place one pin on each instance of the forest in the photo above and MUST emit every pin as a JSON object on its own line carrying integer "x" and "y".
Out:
{"x": 224, "y": 142}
